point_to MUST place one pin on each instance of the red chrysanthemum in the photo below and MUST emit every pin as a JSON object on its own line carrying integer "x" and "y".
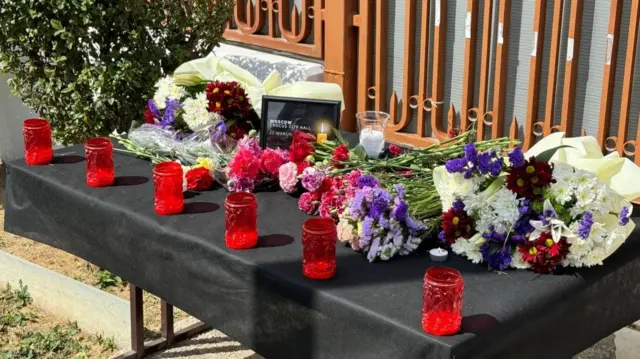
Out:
{"x": 148, "y": 116}
{"x": 456, "y": 223}
{"x": 270, "y": 162}
{"x": 244, "y": 165}
{"x": 228, "y": 99}
{"x": 395, "y": 150}
{"x": 238, "y": 130}
{"x": 544, "y": 254}
{"x": 301, "y": 146}
{"x": 340, "y": 154}
{"x": 199, "y": 179}
{"x": 530, "y": 180}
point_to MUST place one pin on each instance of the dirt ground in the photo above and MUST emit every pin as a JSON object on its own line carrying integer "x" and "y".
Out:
{"x": 80, "y": 270}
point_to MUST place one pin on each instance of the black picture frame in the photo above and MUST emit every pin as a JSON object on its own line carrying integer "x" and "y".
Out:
{"x": 304, "y": 114}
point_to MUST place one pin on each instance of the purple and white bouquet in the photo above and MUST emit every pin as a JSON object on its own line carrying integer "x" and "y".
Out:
{"x": 377, "y": 221}
{"x": 528, "y": 213}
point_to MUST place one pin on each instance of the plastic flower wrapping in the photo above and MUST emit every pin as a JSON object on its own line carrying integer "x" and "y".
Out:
{"x": 553, "y": 206}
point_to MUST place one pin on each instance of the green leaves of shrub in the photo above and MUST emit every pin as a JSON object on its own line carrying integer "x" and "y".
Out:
{"x": 90, "y": 65}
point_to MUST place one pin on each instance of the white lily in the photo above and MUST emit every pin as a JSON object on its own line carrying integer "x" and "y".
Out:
{"x": 551, "y": 224}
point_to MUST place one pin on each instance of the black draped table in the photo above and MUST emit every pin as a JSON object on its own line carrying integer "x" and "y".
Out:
{"x": 260, "y": 297}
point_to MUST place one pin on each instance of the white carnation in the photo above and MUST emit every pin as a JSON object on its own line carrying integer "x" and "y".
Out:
{"x": 167, "y": 90}
{"x": 196, "y": 113}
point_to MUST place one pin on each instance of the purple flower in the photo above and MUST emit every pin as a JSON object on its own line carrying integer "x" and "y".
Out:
{"x": 524, "y": 206}
{"x": 384, "y": 222}
{"x": 497, "y": 257}
{"x": 169, "y": 117}
{"x": 312, "y": 179}
{"x": 356, "y": 205}
{"x": 624, "y": 216}
{"x": 251, "y": 144}
{"x": 547, "y": 216}
{"x": 401, "y": 209}
{"x": 378, "y": 207}
{"x": 484, "y": 162}
{"x": 458, "y": 205}
{"x": 521, "y": 229}
{"x": 584, "y": 230}
{"x": 367, "y": 231}
{"x": 413, "y": 226}
{"x": 219, "y": 132}
{"x": 496, "y": 167}
{"x": 400, "y": 190}
{"x": 455, "y": 165}
{"x": 154, "y": 109}
{"x": 367, "y": 181}
{"x": 241, "y": 185}
{"x": 470, "y": 153}
{"x": 367, "y": 193}
{"x": 516, "y": 157}
{"x": 382, "y": 193}
{"x": 442, "y": 237}
{"x": 373, "y": 251}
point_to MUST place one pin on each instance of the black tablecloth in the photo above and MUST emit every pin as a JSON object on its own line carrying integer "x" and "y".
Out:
{"x": 260, "y": 297}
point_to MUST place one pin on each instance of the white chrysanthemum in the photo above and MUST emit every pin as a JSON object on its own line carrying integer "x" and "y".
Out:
{"x": 517, "y": 262}
{"x": 167, "y": 90}
{"x": 196, "y": 113}
{"x": 595, "y": 257}
{"x": 459, "y": 187}
{"x": 500, "y": 211}
{"x": 468, "y": 248}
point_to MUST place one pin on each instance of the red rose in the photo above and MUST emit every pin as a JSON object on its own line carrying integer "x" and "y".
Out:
{"x": 245, "y": 165}
{"x": 395, "y": 151}
{"x": 301, "y": 146}
{"x": 148, "y": 116}
{"x": 270, "y": 162}
{"x": 340, "y": 154}
{"x": 199, "y": 179}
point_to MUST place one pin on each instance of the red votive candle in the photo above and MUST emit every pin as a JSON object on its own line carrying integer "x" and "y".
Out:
{"x": 241, "y": 220}
{"x": 37, "y": 141}
{"x": 99, "y": 157}
{"x": 319, "y": 238}
{"x": 442, "y": 306}
{"x": 167, "y": 179}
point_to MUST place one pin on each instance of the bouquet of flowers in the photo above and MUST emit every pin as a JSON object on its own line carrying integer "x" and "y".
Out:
{"x": 528, "y": 213}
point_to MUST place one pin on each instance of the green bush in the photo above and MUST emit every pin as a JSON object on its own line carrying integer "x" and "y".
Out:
{"x": 89, "y": 65}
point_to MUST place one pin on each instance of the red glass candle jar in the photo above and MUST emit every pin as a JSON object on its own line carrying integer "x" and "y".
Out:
{"x": 241, "y": 220}
{"x": 167, "y": 179}
{"x": 37, "y": 141}
{"x": 99, "y": 157}
{"x": 319, "y": 238}
{"x": 442, "y": 306}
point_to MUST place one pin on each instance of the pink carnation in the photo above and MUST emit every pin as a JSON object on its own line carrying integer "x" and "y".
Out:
{"x": 250, "y": 144}
{"x": 306, "y": 203}
{"x": 288, "y": 176}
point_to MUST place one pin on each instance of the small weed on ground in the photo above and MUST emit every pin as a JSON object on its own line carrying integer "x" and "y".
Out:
{"x": 106, "y": 279}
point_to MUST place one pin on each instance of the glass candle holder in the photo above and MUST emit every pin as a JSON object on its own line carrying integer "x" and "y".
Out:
{"x": 167, "y": 179}
{"x": 442, "y": 306}
{"x": 37, "y": 141}
{"x": 372, "y": 125}
{"x": 241, "y": 220}
{"x": 99, "y": 157}
{"x": 319, "y": 238}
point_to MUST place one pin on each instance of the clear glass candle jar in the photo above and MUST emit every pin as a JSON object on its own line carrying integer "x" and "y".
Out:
{"x": 319, "y": 238}
{"x": 38, "y": 149}
{"x": 442, "y": 301}
{"x": 372, "y": 126}
{"x": 241, "y": 220}
{"x": 99, "y": 157}
{"x": 168, "y": 196}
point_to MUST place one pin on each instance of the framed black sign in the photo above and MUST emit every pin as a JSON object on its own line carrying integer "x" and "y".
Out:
{"x": 281, "y": 116}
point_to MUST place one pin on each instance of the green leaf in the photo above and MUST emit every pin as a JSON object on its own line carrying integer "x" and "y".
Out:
{"x": 545, "y": 156}
{"x": 360, "y": 152}
{"x": 56, "y": 24}
{"x": 339, "y": 136}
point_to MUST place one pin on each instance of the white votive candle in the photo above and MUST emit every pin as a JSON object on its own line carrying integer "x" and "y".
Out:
{"x": 438, "y": 254}
{"x": 372, "y": 141}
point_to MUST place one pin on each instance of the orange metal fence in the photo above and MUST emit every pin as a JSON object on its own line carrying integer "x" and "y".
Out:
{"x": 351, "y": 37}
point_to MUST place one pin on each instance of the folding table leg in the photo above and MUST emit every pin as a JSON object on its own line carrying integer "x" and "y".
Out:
{"x": 137, "y": 322}
{"x": 166, "y": 316}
